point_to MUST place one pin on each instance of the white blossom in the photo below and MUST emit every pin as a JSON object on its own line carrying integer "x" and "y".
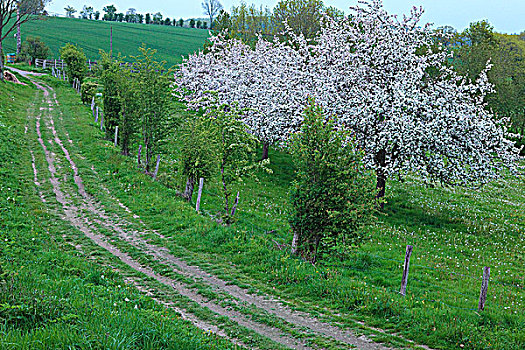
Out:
{"x": 383, "y": 78}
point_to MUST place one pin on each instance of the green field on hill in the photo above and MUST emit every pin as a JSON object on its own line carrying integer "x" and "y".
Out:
{"x": 170, "y": 42}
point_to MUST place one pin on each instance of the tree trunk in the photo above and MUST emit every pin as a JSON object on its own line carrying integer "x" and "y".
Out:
{"x": 188, "y": 192}
{"x": 18, "y": 33}
{"x": 380, "y": 159}
{"x": 266, "y": 147}
{"x": 1, "y": 59}
{"x": 381, "y": 184}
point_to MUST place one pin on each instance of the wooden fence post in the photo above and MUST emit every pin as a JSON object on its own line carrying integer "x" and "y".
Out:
{"x": 156, "y": 168}
{"x": 116, "y": 135}
{"x": 198, "y": 205}
{"x": 234, "y": 208}
{"x": 405, "y": 271}
{"x": 138, "y": 157}
{"x": 484, "y": 288}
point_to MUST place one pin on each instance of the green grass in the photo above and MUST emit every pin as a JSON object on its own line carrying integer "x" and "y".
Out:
{"x": 171, "y": 42}
{"x": 455, "y": 232}
{"x": 51, "y": 296}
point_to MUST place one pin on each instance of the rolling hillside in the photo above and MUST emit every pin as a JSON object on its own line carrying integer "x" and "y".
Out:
{"x": 170, "y": 42}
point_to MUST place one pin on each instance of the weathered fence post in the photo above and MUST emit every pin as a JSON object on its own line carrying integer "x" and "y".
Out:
{"x": 138, "y": 157}
{"x": 198, "y": 205}
{"x": 484, "y": 288}
{"x": 116, "y": 135}
{"x": 156, "y": 168}
{"x": 405, "y": 271}
{"x": 234, "y": 208}
{"x": 96, "y": 119}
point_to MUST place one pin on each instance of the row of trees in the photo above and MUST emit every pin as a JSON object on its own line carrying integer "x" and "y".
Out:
{"x": 333, "y": 196}
{"x": 247, "y": 22}
{"x": 138, "y": 99}
{"x": 131, "y": 16}
{"x": 479, "y": 43}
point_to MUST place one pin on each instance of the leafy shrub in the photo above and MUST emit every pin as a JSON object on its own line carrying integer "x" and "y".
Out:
{"x": 235, "y": 152}
{"x": 33, "y": 48}
{"x": 89, "y": 90}
{"x": 111, "y": 76}
{"x": 75, "y": 59}
{"x": 198, "y": 155}
{"x": 333, "y": 196}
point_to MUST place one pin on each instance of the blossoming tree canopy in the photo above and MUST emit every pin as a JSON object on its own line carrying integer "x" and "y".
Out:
{"x": 387, "y": 82}
{"x": 384, "y": 78}
{"x": 265, "y": 82}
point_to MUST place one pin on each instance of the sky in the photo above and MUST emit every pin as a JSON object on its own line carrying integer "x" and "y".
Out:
{"x": 507, "y": 16}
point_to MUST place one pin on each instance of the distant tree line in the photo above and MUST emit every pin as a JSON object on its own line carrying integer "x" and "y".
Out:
{"x": 111, "y": 14}
{"x": 478, "y": 44}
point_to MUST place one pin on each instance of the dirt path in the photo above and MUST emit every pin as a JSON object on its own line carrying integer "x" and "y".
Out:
{"x": 86, "y": 213}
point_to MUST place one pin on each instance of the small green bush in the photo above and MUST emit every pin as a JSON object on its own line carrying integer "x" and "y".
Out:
{"x": 33, "y": 48}
{"x": 333, "y": 196}
{"x": 198, "y": 155}
{"x": 89, "y": 90}
{"x": 75, "y": 59}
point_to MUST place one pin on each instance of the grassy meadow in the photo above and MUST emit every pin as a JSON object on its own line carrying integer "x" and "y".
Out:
{"x": 170, "y": 42}
{"x": 455, "y": 233}
{"x": 52, "y": 296}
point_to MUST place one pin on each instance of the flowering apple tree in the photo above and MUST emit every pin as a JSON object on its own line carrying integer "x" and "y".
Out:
{"x": 388, "y": 83}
